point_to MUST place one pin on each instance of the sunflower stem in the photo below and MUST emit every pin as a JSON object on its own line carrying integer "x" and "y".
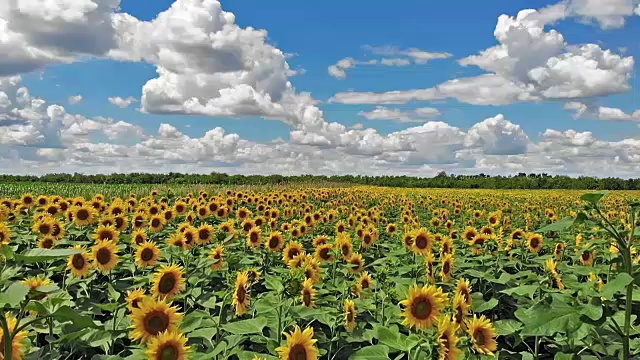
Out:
{"x": 7, "y": 337}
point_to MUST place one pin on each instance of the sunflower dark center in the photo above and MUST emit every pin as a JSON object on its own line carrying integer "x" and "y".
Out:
{"x": 470, "y": 236}
{"x": 105, "y": 235}
{"x": 241, "y": 294}
{"x": 340, "y": 228}
{"x": 306, "y": 298}
{"x": 297, "y": 352}
{"x": 155, "y": 222}
{"x": 253, "y": 237}
{"x": 103, "y": 256}
{"x": 44, "y": 228}
{"x": 324, "y": 253}
{"x": 139, "y": 239}
{"x": 586, "y": 256}
{"x": 446, "y": 268}
{"x": 168, "y": 352}
{"x": 421, "y": 308}
{"x": 156, "y": 322}
{"x": 364, "y": 283}
{"x": 119, "y": 222}
{"x": 247, "y": 227}
{"x": 535, "y": 242}
{"x": 273, "y": 242}
{"x": 167, "y": 283}
{"x": 345, "y": 250}
{"x": 82, "y": 214}
{"x": 478, "y": 335}
{"x": 47, "y": 244}
{"x": 203, "y": 234}
{"x": 135, "y": 302}
{"x": 349, "y": 315}
{"x": 293, "y": 252}
{"x": 421, "y": 242}
{"x": 146, "y": 255}
{"x": 367, "y": 238}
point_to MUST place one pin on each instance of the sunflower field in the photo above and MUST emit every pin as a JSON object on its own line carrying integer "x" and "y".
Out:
{"x": 318, "y": 273}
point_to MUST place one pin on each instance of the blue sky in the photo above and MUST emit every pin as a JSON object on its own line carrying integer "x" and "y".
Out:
{"x": 318, "y": 35}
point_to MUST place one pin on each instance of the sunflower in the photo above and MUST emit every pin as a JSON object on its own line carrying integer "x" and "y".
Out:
{"x": 254, "y": 237}
{"x": 422, "y": 241}
{"x": 83, "y": 215}
{"x": 275, "y": 241}
{"x": 168, "y": 281}
{"x": 535, "y": 242}
{"x": 120, "y": 222}
{"x": 320, "y": 240}
{"x": 138, "y": 221}
{"x": 363, "y": 283}
{"x": 446, "y": 268}
{"x": 482, "y": 334}
{"x": 463, "y": 287}
{"x": 308, "y": 293}
{"x": 79, "y": 264}
{"x": 300, "y": 345}
{"x": 253, "y": 275}
{"x": 407, "y": 240}
{"x": 423, "y": 306}
{"x": 241, "y": 293}
{"x": 189, "y": 234}
{"x": 355, "y": 264}
{"x": 247, "y": 225}
{"x": 461, "y": 311}
{"x": 205, "y": 234}
{"x": 156, "y": 223}
{"x": 152, "y": 318}
{"x": 447, "y": 340}
{"x": 35, "y": 282}
{"x": 168, "y": 346}
{"x": 559, "y": 250}
{"x": 391, "y": 229}
{"x": 517, "y": 235}
{"x": 17, "y": 347}
{"x": 27, "y": 200}
{"x": 104, "y": 255}
{"x": 344, "y": 245}
{"x": 180, "y": 207}
{"x": 105, "y": 233}
{"x": 134, "y": 298}
{"x": 586, "y": 258}
{"x": 217, "y": 255}
{"x": 47, "y": 242}
{"x": 290, "y": 251}
{"x": 446, "y": 246}
{"x": 43, "y": 226}
{"x": 469, "y": 233}
{"x": 349, "y": 315}
{"x": 324, "y": 252}
{"x": 341, "y": 227}
{"x": 147, "y": 254}
{"x": 138, "y": 237}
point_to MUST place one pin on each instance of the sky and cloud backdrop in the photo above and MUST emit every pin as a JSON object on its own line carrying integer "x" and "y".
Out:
{"x": 320, "y": 87}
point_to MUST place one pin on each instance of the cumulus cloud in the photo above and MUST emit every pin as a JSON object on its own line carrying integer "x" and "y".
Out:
{"x": 395, "y": 114}
{"x": 122, "y": 103}
{"x": 601, "y": 112}
{"x": 36, "y": 33}
{"x": 75, "y": 99}
{"x": 528, "y": 64}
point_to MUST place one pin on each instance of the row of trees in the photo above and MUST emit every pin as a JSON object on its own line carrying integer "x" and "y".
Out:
{"x": 442, "y": 180}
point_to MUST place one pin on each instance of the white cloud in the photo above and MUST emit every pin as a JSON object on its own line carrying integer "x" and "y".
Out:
{"x": 395, "y": 62}
{"x": 75, "y": 99}
{"x": 36, "y": 33}
{"x": 122, "y": 103}
{"x": 601, "y": 112}
{"x": 528, "y": 64}
{"x": 394, "y": 114}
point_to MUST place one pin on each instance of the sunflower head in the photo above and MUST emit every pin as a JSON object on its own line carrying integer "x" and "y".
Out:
{"x": 241, "y": 293}
{"x": 134, "y": 298}
{"x": 254, "y": 237}
{"x": 168, "y": 346}
{"x": 217, "y": 255}
{"x": 106, "y": 233}
{"x": 274, "y": 241}
{"x": 104, "y": 255}
{"x": 308, "y": 293}
{"x": 423, "y": 306}
{"x": 147, "y": 254}
{"x": 535, "y": 242}
{"x": 447, "y": 339}
{"x": 300, "y": 345}
{"x": 349, "y": 315}
{"x": 482, "y": 335}
{"x": 153, "y": 317}
{"x": 168, "y": 281}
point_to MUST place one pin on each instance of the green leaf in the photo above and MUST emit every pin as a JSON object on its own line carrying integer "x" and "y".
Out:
{"x": 524, "y": 290}
{"x": 593, "y": 198}
{"x": 14, "y": 294}
{"x": 558, "y": 226}
{"x": 66, "y": 313}
{"x": 617, "y": 285}
{"x": 507, "y": 327}
{"x": 243, "y": 327}
{"x": 375, "y": 352}
{"x": 273, "y": 283}
{"x": 547, "y": 319}
{"x": 493, "y": 302}
{"x": 40, "y": 255}
{"x": 563, "y": 356}
{"x": 391, "y": 338}
{"x": 204, "y": 333}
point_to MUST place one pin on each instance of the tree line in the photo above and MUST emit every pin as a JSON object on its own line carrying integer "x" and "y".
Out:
{"x": 442, "y": 180}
